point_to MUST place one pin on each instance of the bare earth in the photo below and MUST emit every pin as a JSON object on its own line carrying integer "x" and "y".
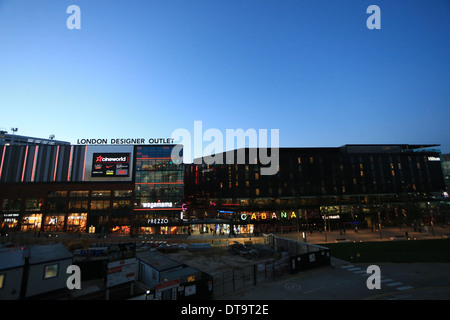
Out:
{"x": 216, "y": 259}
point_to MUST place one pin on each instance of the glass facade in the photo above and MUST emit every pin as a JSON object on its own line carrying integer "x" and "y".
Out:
{"x": 159, "y": 190}
{"x": 158, "y": 178}
{"x": 353, "y": 185}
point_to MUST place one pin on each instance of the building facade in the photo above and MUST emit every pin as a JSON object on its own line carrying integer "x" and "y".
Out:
{"x": 320, "y": 188}
{"x": 142, "y": 189}
{"x": 79, "y": 188}
{"x": 7, "y": 139}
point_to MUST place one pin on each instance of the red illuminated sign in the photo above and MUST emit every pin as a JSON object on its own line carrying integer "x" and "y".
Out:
{"x": 110, "y": 165}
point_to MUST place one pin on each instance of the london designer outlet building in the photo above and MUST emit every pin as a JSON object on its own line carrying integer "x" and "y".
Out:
{"x": 79, "y": 188}
{"x": 140, "y": 189}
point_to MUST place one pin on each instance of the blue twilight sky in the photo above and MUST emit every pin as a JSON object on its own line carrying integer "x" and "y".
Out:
{"x": 310, "y": 68}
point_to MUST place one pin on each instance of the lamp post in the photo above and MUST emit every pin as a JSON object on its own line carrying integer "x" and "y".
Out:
{"x": 379, "y": 224}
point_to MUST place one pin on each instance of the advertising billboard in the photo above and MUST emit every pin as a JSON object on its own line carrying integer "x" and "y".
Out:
{"x": 110, "y": 165}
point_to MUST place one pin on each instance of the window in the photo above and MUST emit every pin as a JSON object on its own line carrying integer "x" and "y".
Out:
{"x": 101, "y": 194}
{"x": 122, "y": 193}
{"x": 100, "y": 205}
{"x": 57, "y": 194}
{"x": 2, "y": 281}
{"x": 51, "y": 271}
{"x": 79, "y": 194}
{"x": 33, "y": 204}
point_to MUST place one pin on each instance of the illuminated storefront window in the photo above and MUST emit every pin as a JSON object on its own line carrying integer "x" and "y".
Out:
{"x": 32, "y": 222}
{"x": 54, "y": 222}
{"x": 121, "y": 229}
{"x": 77, "y": 222}
{"x": 9, "y": 220}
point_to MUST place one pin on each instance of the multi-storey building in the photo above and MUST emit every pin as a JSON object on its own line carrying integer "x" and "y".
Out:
{"x": 77, "y": 188}
{"x": 348, "y": 186}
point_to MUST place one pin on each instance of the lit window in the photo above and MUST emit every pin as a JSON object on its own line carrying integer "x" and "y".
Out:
{"x": 51, "y": 271}
{"x": 2, "y": 281}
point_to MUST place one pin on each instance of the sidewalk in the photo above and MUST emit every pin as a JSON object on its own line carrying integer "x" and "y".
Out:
{"x": 316, "y": 237}
{"x": 385, "y": 234}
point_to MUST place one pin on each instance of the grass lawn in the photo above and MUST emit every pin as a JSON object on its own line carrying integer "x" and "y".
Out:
{"x": 407, "y": 251}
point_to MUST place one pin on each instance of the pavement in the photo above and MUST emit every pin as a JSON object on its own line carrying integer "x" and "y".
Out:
{"x": 315, "y": 237}
{"x": 383, "y": 234}
{"x": 345, "y": 281}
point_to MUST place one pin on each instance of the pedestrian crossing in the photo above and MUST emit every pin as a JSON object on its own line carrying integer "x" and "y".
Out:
{"x": 360, "y": 270}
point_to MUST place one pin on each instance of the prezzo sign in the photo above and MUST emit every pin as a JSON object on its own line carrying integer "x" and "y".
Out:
{"x": 158, "y": 221}
{"x": 110, "y": 165}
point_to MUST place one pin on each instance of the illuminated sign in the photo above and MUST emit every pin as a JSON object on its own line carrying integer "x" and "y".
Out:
{"x": 126, "y": 141}
{"x": 332, "y": 216}
{"x": 434, "y": 159}
{"x": 157, "y": 221}
{"x": 152, "y": 205}
{"x": 110, "y": 165}
{"x": 266, "y": 216}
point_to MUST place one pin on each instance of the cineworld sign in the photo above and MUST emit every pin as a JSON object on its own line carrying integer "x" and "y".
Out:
{"x": 110, "y": 165}
{"x": 267, "y": 216}
{"x": 126, "y": 141}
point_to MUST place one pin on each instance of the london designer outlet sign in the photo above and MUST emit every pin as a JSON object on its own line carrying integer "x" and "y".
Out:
{"x": 126, "y": 141}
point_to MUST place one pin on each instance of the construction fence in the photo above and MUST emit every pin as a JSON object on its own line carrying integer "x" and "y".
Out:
{"x": 294, "y": 256}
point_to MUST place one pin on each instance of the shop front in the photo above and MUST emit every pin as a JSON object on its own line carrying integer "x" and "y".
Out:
{"x": 76, "y": 222}
{"x": 163, "y": 222}
{"x": 54, "y": 222}
{"x": 9, "y": 221}
{"x": 31, "y": 222}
